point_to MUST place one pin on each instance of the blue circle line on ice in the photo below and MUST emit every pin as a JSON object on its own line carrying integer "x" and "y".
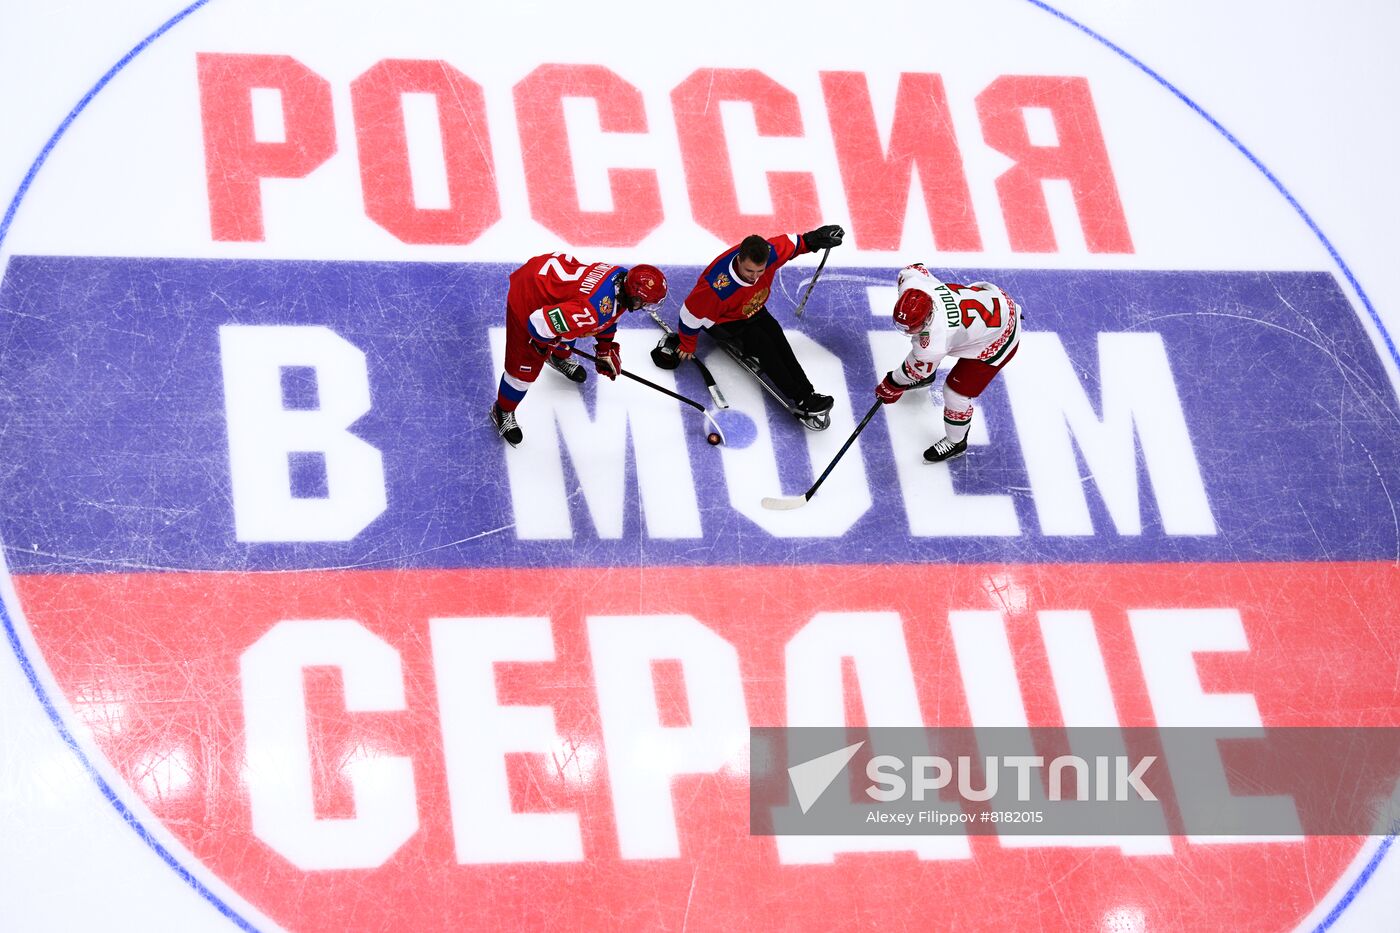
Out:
{"x": 1244, "y": 151}
{"x": 131, "y": 818}
{"x": 81, "y": 106}
{"x": 125, "y": 812}
{"x": 1384, "y": 847}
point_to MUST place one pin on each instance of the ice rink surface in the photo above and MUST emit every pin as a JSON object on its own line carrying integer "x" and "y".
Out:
{"x": 405, "y": 678}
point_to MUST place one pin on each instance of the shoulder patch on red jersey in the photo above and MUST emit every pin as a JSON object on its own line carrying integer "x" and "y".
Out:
{"x": 717, "y": 275}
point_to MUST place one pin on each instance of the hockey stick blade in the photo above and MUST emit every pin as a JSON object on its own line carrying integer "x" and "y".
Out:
{"x": 718, "y": 431}
{"x": 784, "y": 503}
{"x": 715, "y": 393}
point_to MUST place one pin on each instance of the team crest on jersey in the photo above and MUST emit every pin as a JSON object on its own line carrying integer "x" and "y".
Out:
{"x": 345, "y": 606}
{"x": 755, "y": 303}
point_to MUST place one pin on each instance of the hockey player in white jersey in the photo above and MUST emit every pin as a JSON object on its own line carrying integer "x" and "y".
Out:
{"x": 979, "y": 324}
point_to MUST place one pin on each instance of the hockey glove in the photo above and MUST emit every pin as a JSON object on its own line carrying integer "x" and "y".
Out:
{"x": 665, "y": 354}
{"x": 609, "y": 357}
{"x": 824, "y": 237}
{"x": 888, "y": 390}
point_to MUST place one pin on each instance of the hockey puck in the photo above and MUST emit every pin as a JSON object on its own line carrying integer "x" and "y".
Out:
{"x": 714, "y": 439}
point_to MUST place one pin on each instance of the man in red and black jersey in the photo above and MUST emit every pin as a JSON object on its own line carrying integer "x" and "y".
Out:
{"x": 729, "y": 301}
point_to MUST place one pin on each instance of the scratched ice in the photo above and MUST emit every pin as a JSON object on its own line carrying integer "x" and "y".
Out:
{"x": 615, "y": 540}
{"x": 356, "y": 664}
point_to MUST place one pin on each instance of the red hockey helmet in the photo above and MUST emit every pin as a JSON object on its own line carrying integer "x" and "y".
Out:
{"x": 645, "y": 285}
{"x": 912, "y": 310}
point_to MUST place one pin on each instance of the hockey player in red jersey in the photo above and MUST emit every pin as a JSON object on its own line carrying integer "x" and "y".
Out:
{"x": 979, "y": 324}
{"x": 729, "y": 301}
{"x": 553, "y": 300}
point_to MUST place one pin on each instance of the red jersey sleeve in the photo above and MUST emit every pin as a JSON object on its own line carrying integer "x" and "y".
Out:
{"x": 785, "y": 247}
{"x": 566, "y": 320}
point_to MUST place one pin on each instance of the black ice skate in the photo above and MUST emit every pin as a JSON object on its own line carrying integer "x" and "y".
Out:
{"x": 571, "y": 368}
{"x": 506, "y": 426}
{"x": 814, "y": 411}
{"x": 945, "y": 450}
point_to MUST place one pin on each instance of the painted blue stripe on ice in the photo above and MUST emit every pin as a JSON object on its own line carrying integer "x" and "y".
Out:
{"x": 113, "y": 412}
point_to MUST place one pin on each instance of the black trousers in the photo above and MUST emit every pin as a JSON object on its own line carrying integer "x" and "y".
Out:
{"x": 762, "y": 338}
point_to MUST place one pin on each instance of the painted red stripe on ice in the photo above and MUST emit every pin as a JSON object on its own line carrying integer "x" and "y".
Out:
{"x": 166, "y": 647}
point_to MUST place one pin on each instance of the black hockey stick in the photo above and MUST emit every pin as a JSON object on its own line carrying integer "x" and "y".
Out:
{"x": 715, "y": 393}
{"x": 786, "y": 503}
{"x": 815, "y": 275}
{"x": 716, "y": 433}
